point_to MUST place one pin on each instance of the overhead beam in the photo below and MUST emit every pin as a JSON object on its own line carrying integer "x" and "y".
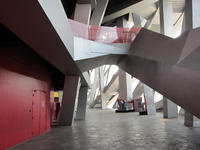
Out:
{"x": 92, "y": 2}
{"x": 133, "y": 8}
{"x": 30, "y": 23}
{"x": 154, "y": 20}
{"x": 98, "y": 13}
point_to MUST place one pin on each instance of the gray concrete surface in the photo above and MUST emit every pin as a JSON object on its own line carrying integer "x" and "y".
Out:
{"x": 106, "y": 130}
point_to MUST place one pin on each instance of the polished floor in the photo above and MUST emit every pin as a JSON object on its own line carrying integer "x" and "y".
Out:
{"x": 106, "y": 130}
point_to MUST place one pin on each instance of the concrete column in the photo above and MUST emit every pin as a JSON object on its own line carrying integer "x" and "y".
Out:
{"x": 122, "y": 85}
{"x": 98, "y": 13}
{"x": 192, "y": 14}
{"x": 122, "y": 22}
{"x": 169, "y": 109}
{"x": 125, "y": 80}
{"x": 93, "y": 89}
{"x": 82, "y": 14}
{"x": 129, "y": 87}
{"x": 166, "y": 18}
{"x": 191, "y": 21}
{"x": 69, "y": 101}
{"x": 82, "y": 103}
{"x": 137, "y": 20}
{"x": 125, "y": 88}
{"x": 96, "y": 19}
{"x": 149, "y": 95}
{"x": 60, "y": 94}
{"x": 167, "y": 28}
{"x": 188, "y": 119}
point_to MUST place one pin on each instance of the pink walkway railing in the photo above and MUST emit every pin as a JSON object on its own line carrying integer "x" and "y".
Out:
{"x": 104, "y": 34}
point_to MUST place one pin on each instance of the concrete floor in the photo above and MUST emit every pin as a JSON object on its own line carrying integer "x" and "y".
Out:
{"x": 106, "y": 130}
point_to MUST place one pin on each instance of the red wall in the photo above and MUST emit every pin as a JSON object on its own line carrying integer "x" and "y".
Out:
{"x": 23, "y": 76}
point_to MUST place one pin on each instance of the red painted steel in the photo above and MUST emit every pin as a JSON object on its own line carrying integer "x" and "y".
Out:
{"x": 22, "y": 72}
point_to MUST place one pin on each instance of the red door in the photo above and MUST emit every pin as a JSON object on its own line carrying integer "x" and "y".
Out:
{"x": 36, "y": 113}
{"x": 39, "y": 122}
{"x": 43, "y": 112}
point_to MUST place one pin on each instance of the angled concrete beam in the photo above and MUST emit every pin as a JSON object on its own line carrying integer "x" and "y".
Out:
{"x": 98, "y": 12}
{"x": 107, "y": 75}
{"x": 178, "y": 24}
{"x": 133, "y": 8}
{"x": 112, "y": 102}
{"x": 109, "y": 90}
{"x": 69, "y": 101}
{"x": 137, "y": 20}
{"x": 113, "y": 84}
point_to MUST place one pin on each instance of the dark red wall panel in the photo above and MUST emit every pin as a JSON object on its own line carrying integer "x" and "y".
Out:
{"x": 22, "y": 74}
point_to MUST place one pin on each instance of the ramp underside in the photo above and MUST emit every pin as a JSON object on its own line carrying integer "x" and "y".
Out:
{"x": 177, "y": 80}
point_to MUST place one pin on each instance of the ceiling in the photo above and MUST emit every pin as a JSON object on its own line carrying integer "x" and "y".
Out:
{"x": 115, "y": 6}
